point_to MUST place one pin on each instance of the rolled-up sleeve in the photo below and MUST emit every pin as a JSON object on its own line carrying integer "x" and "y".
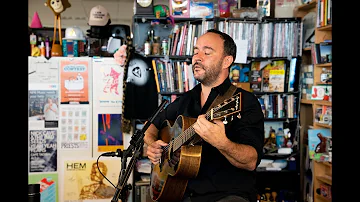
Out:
{"x": 249, "y": 129}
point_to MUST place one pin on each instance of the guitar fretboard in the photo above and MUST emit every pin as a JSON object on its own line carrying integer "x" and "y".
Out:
{"x": 184, "y": 136}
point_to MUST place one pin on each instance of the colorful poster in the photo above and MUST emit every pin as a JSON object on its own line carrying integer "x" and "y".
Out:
{"x": 75, "y": 127}
{"x": 43, "y": 150}
{"x": 110, "y": 137}
{"x": 318, "y": 141}
{"x": 43, "y": 105}
{"x": 74, "y": 81}
{"x": 108, "y": 82}
{"x": 48, "y": 186}
{"x": 84, "y": 180}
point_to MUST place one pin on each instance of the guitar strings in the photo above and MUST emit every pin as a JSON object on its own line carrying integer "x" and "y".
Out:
{"x": 190, "y": 131}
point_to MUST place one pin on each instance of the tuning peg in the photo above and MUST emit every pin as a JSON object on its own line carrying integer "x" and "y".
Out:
{"x": 238, "y": 116}
{"x": 225, "y": 121}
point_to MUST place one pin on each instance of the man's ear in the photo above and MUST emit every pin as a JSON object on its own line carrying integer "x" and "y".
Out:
{"x": 228, "y": 60}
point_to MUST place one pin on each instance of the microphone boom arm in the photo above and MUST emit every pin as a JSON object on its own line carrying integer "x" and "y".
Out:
{"x": 136, "y": 143}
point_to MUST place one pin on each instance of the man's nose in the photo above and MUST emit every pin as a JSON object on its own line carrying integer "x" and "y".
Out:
{"x": 196, "y": 58}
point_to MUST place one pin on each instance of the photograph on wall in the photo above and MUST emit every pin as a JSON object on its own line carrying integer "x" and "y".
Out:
{"x": 84, "y": 181}
{"x": 42, "y": 70}
{"x": 43, "y": 150}
{"x": 43, "y": 105}
{"x": 318, "y": 143}
{"x": 48, "y": 185}
{"x": 74, "y": 127}
{"x": 74, "y": 81}
{"x": 108, "y": 82}
{"x": 110, "y": 137}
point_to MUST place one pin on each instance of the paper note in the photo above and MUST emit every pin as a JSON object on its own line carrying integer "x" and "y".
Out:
{"x": 241, "y": 51}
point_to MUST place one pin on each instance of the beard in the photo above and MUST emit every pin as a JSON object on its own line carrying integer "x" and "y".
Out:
{"x": 210, "y": 75}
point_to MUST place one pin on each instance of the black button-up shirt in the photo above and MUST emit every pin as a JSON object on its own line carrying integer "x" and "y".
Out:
{"x": 217, "y": 177}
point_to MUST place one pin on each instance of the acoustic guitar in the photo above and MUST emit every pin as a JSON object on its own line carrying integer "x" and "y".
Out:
{"x": 169, "y": 180}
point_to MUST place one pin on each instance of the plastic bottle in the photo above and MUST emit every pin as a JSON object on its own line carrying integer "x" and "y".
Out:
{"x": 224, "y": 8}
{"x": 47, "y": 47}
{"x": 280, "y": 138}
{"x": 42, "y": 49}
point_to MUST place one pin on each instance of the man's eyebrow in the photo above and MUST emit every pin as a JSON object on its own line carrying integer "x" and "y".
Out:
{"x": 208, "y": 47}
{"x": 205, "y": 47}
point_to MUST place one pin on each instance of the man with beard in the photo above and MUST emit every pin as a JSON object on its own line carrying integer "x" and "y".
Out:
{"x": 230, "y": 151}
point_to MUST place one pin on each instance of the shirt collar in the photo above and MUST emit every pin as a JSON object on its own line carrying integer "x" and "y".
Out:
{"x": 221, "y": 89}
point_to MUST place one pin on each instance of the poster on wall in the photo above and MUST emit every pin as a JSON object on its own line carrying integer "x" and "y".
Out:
{"x": 110, "y": 137}
{"x": 75, "y": 127}
{"x": 43, "y": 150}
{"x": 42, "y": 70}
{"x": 74, "y": 75}
{"x": 84, "y": 182}
{"x": 108, "y": 83}
{"x": 48, "y": 185}
{"x": 43, "y": 106}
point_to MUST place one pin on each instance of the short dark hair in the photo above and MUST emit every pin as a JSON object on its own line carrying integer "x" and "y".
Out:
{"x": 229, "y": 44}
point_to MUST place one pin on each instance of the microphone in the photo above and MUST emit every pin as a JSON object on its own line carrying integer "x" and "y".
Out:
{"x": 118, "y": 153}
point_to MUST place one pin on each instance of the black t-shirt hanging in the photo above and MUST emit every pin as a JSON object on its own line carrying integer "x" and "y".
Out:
{"x": 141, "y": 99}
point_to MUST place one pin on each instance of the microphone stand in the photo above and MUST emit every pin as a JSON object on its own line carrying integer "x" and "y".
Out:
{"x": 136, "y": 143}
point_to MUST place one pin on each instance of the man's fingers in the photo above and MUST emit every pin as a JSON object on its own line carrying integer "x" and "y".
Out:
{"x": 153, "y": 160}
{"x": 162, "y": 143}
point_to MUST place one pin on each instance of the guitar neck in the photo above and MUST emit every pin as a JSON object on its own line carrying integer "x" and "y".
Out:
{"x": 188, "y": 133}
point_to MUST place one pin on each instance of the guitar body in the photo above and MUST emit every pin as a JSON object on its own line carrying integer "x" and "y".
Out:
{"x": 180, "y": 159}
{"x": 168, "y": 183}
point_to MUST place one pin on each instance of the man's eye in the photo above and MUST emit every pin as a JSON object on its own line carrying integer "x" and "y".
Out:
{"x": 207, "y": 53}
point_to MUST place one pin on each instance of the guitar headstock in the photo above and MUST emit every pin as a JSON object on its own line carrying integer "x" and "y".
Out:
{"x": 227, "y": 108}
{"x": 126, "y": 123}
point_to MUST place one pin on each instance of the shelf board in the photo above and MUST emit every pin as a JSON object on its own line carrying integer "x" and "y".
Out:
{"x": 278, "y": 119}
{"x": 318, "y": 102}
{"x": 326, "y": 163}
{"x": 324, "y": 65}
{"x": 325, "y": 179}
{"x": 323, "y": 125}
{"x": 321, "y": 83}
{"x": 268, "y": 93}
{"x": 263, "y": 170}
{"x": 322, "y": 197}
{"x": 325, "y": 28}
{"x": 307, "y": 49}
{"x": 307, "y": 6}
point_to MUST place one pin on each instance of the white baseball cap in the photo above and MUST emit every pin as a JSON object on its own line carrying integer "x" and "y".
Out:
{"x": 99, "y": 16}
{"x": 74, "y": 33}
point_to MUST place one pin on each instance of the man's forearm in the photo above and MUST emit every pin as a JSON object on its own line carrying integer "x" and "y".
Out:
{"x": 240, "y": 155}
{"x": 151, "y": 134}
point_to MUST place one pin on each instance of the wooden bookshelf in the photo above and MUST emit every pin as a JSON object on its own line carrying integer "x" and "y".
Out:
{"x": 317, "y": 102}
{"x": 325, "y": 28}
{"x": 307, "y": 6}
{"x": 308, "y": 107}
{"x": 324, "y": 65}
{"x": 322, "y": 175}
{"x": 320, "y": 125}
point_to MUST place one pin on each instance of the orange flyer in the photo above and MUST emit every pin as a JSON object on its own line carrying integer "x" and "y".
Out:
{"x": 74, "y": 81}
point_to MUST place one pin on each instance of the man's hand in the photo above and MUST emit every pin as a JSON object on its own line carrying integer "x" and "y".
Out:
{"x": 154, "y": 151}
{"x": 213, "y": 133}
{"x": 175, "y": 158}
